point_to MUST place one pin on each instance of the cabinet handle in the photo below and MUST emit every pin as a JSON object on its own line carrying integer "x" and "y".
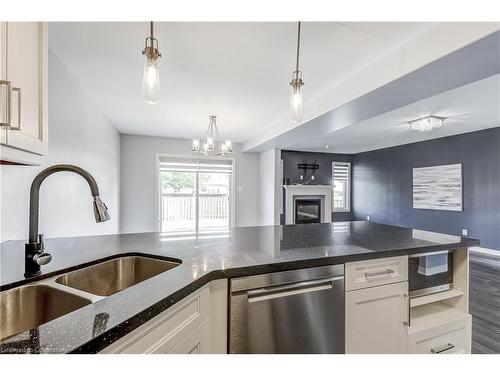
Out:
{"x": 442, "y": 349}
{"x": 7, "y": 103}
{"x": 268, "y": 293}
{"x": 19, "y": 111}
{"x": 387, "y": 272}
{"x": 407, "y": 307}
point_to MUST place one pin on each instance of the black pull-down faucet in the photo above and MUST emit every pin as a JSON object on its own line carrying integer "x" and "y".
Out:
{"x": 34, "y": 249}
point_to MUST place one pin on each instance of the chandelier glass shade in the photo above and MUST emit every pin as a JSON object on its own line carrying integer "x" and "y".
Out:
{"x": 213, "y": 144}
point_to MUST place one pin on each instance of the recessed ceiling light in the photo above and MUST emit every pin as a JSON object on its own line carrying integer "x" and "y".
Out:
{"x": 426, "y": 124}
{"x": 327, "y": 147}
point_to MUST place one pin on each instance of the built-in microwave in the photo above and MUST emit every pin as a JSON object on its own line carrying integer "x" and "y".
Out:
{"x": 430, "y": 273}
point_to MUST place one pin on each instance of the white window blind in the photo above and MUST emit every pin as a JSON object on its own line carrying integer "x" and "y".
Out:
{"x": 196, "y": 165}
{"x": 341, "y": 172}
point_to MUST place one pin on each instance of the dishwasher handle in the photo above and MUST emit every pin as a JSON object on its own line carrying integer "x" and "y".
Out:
{"x": 262, "y": 294}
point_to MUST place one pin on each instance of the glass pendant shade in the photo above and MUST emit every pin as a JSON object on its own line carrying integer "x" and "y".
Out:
{"x": 296, "y": 85}
{"x": 151, "y": 81}
{"x": 296, "y": 104}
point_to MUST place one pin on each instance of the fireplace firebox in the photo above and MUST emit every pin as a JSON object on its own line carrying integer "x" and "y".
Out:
{"x": 307, "y": 211}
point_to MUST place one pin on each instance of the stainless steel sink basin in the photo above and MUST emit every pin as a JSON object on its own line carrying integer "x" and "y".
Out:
{"x": 27, "y": 307}
{"x": 109, "y": 277}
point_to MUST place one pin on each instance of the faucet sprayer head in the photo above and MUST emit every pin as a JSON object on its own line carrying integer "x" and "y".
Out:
{"x": 100, "y": 210}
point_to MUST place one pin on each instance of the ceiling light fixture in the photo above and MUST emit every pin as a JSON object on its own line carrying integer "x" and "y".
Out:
{"x": 151, "y": 75}
{"x": 296, "y": 84}
{"x": 213, "y": 144}
{"x": 426, "y": 124}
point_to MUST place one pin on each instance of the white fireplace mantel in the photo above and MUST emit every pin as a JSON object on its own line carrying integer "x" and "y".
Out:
{"x": 303, "y": 192}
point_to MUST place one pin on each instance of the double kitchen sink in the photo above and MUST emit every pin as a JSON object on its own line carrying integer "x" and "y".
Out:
{"x": 27, "y": 307}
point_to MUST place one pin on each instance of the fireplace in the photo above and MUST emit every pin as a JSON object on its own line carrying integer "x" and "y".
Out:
{"x": 307, "y": 211}
{"x": 308, "y": 193}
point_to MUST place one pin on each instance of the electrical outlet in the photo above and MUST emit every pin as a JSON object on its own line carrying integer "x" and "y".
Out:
{"x": 465, "y": 232}
{"x": 368, "y": 218}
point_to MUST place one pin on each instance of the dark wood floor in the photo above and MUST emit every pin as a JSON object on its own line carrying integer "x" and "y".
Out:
{"x": 485, "y": 302}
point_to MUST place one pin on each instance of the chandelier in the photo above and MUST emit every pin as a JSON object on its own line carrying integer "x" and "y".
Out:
{"x": 213, "y": 144}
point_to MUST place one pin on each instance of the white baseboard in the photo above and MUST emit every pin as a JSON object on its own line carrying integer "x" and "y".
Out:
{"x": 484, "y": 250}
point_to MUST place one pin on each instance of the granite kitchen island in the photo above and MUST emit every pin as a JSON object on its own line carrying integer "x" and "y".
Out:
{"x": 205, "y": 259}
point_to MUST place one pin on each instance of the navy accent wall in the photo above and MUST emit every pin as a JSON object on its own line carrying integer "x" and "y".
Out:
{"x": 323, "y": 175}
{"x": 382, "y": 185}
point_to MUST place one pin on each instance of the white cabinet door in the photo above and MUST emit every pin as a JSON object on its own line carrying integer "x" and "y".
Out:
{"x": 162, "y": 333}
{"x": 4, "y": 85}
{"x": 197, "y": 342}
{"x": 375, "y": 319}
{"x": 195, "y": 325}
{"x": 24, "y": 50}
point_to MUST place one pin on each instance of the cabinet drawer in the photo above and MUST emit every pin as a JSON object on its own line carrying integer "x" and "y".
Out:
{"x": 368, "y": 273}
{"x": 197, "y": 342}
{"x": 162, "y": 333}
{"x": 449, "y": 338}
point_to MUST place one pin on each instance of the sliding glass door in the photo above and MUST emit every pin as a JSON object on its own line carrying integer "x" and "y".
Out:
{"x": 195, "y": 195}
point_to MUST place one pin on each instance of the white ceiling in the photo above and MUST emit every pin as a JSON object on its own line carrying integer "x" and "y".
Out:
{"x": 468, "y": 108}
{"x": 238, "y": 71}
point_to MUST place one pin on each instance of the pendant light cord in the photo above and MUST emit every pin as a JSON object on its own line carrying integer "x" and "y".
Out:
{"x": 298, "y": 48}
{"x": 151, "y": 29}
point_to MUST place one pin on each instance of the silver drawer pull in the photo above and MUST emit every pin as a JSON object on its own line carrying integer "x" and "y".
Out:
{"x": 387, "y": 272}
{"x": 5, "y": 120}
{"x": 442, "y": 349}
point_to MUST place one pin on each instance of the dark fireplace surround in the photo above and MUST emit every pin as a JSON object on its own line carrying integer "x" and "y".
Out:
{"x": 307, "y": 211}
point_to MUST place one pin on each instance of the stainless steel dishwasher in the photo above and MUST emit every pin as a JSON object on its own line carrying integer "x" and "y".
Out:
{"x": 300, "y": 311}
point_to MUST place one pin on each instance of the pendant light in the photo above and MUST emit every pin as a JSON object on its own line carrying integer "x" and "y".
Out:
{"x": 296, "y": 84}
{"x": 213, "y": 144}
{"x": 151, "y": 75}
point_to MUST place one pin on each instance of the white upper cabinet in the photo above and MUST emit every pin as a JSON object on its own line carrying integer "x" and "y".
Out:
{"x": 23, "y": 91}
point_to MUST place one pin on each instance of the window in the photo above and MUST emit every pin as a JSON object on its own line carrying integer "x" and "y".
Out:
{"x": 195, "y": 195}
{"x": 341, "y": 173}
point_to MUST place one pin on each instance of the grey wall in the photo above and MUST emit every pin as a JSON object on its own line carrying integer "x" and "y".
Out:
{"x": 382, "y": 185}
{"x": 323, "y": 175}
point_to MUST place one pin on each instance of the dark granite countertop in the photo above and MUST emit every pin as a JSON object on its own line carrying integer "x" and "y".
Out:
{"x": 205, "y": 257}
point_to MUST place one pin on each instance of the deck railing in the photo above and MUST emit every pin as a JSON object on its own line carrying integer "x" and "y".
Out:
{"x": 183, "y": 206}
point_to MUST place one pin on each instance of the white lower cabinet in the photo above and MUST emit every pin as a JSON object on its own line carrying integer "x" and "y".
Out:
{"x": 376, "y": 318}
{"x": 193, "y": 325}
{"x": 450, "y": 338}
{"x": 197, "y": 342}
